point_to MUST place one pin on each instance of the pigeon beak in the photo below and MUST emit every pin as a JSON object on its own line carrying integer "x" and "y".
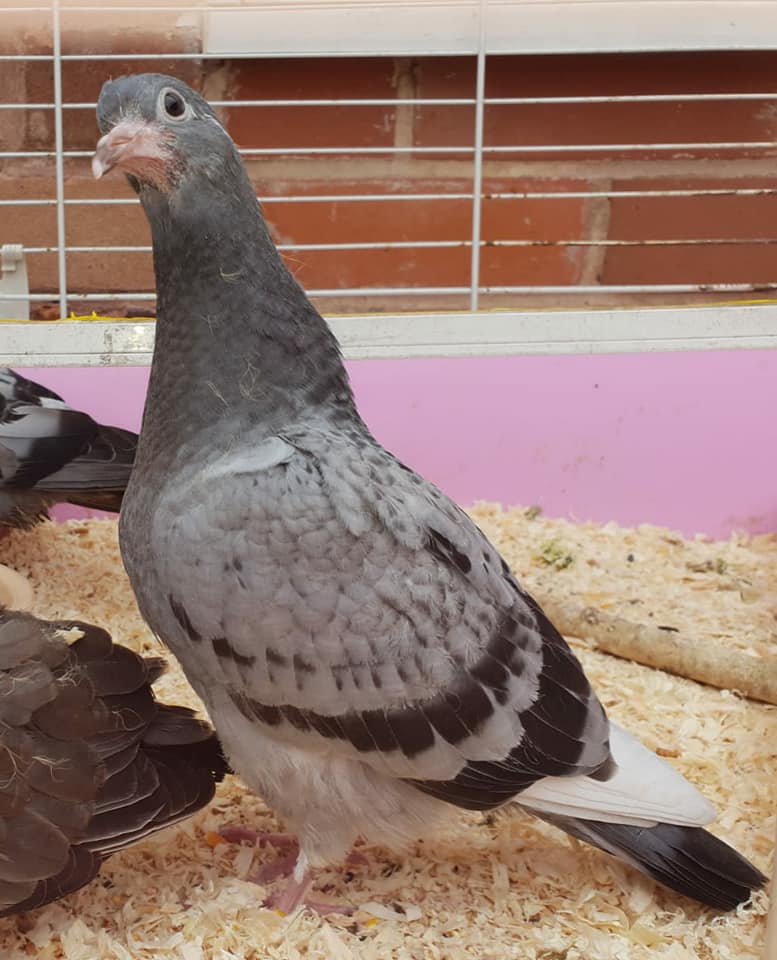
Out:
{"x": 137, "y": 148}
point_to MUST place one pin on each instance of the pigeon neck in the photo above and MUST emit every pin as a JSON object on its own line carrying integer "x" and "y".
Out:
{"x": 236, "y": 336}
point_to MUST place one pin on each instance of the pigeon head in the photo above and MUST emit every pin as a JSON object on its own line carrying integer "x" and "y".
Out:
{"x": 160, "y": 133}
{"x": 229, "y": 312}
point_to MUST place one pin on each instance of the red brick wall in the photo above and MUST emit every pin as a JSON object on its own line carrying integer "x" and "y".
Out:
{"x": 551, "y": 221}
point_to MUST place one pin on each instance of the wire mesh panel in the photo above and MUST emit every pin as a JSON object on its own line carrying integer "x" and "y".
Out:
{"x": 404, "y": 168}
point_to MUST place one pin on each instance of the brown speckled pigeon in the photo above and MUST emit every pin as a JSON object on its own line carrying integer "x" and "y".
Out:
{"x": 90, "y": 761}
{"x": 367, "y": 657}
{"x": 51, "y": 453}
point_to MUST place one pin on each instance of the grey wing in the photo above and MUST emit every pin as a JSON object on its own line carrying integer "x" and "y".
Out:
{"x": 348, "y": 605}
{"x": 89, "y": 761}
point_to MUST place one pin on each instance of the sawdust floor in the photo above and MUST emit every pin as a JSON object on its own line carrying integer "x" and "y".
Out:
{"x": 502, "y": 888}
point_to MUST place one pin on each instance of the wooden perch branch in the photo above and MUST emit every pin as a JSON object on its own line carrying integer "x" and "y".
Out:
{"x": 706, "y": 661}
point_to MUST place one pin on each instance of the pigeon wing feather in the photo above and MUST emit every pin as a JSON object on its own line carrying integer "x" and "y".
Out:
{"x": 353, "y": 605}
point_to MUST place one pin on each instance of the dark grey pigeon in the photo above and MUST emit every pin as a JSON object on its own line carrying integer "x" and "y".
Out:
{"x": 51, "y": 453}
{"x": 90, "y": 761}
{"x": 366, "y": 655}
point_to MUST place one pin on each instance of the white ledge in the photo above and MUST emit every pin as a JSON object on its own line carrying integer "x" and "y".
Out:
{"x": 484, "y": 333}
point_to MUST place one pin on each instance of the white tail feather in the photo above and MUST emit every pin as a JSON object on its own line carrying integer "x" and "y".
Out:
{"x": 644, "y": 791}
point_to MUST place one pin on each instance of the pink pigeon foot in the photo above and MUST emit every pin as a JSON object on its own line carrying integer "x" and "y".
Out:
{"x": 322, "y": 908}
{"x": 294, "y": 895}
{"x": 356, "y": 859}
{"x": 276, "y": 869}
{"x": 236, "y": 833}
{"x": 284, "y": 866}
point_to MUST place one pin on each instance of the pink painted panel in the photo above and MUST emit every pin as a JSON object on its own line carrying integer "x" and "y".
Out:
{"x": 688, "y": 440}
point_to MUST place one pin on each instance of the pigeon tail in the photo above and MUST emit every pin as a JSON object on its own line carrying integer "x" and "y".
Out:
{"x": 649, "y": 815}
{"x": 689, "y": 860}
{"x": 640, "y": 789}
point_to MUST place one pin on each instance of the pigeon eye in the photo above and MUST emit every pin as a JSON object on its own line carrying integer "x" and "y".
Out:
{"x": 174, "y": 104}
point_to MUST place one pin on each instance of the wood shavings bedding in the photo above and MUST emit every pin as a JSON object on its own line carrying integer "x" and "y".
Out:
{"x": 504, "y": 886}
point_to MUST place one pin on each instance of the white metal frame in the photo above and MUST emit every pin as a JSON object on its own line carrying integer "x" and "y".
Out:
{"x": 477, "y": 27}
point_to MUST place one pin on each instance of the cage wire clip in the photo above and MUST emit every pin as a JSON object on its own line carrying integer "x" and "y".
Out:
{"x": 14, "y": 283}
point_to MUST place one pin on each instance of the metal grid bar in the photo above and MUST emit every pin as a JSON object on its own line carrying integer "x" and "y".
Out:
{"x": 388, "y": 197}
{"x": 202, "y": 55}
{"x": 432, "y": 101}
{"x": 59, "y": 163}
{"x": 450, "y": 245}
{"x": 531, "y": 148}
{"x": 477, "y": 162}
{"x": 368, "y": 292}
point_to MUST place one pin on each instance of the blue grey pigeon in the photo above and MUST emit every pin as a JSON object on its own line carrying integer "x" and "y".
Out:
{"x": 368, "y": 659}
